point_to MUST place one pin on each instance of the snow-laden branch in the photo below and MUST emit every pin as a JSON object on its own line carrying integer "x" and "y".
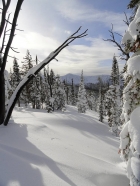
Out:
{"x": 33, "y": 71}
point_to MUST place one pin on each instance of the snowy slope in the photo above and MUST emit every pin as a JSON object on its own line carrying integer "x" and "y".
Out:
{"x": 59, "y": 149}
{"x": 87, "y": 79}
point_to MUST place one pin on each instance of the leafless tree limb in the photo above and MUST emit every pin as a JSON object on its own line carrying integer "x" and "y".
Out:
{"x": 120, "y": 46}
{"x": 126, "y": 21}
{"x": 18, "y": 7}
{"x": 19, "y": 29}
{"x": 2, "y": 47}
{"x": 4, "y": 11}
{"x": 14, "y": 50}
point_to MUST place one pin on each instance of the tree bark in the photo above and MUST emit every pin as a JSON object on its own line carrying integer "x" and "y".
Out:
{"x": 2, "y": 97}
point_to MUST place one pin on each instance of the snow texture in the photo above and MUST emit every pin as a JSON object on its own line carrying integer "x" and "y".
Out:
{"x": 134, "y": 26}
{"x": 59, "y": 149}
{"x": 127, "y": 37}
{"x": 133, "y": 65}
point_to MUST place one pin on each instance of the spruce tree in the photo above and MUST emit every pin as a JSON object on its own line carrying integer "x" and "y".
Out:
{"x": 100, "y": 106}
{"x": 58, "y": 94}
{"x": 113, "y": 99}
{"x": 7, "y": 88}
{"x": 91, "y": 101}
{"x": 82, "y": 104}
{"x": 51, "y": 81}
{"x": 72, "y": 99}
{"x": 46, "y": 90}
{"x": 27, "y": 93}
{"x": 15, "y": 77}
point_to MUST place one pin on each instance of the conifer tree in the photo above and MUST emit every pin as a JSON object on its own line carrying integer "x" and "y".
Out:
{"x": 91, "y": 101}
{"x": 27, "y": 94}
{"x": 58, "y": 94}
{"x": 113, "y": 98}
{"x": 82, "y": 104}
{"x": 51, "y": 81}
{"x": 46, "y": 90}
{"x": 100, "y": 106}
{"x": 37, "y": 82}
{"x": 15, "y": 77}
{"x": 72, "y": 99}
{"x": 7, "y": 87}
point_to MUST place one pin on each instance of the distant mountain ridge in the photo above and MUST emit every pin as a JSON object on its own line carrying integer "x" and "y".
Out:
{"x": 87, "y": 79}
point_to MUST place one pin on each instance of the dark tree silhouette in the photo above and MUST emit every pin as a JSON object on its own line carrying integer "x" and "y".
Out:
{"x": 5, "y": 49}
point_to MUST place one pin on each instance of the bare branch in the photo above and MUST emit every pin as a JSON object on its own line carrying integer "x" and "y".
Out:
{"x": 8, "y": 21}
{"x": 14, "y": 50}
{"x": 14, "y": 22}
{"x": 8, "y": 30}
{"x": 4, "y": 11}
{"x": 3, "y": 41}
{"x": 113, "y": 40}
{"x": 56, "y": 59}
{"x": 19, "y": 29}
{"x": 126, "y": 21}
{"x": 118, "y": 34}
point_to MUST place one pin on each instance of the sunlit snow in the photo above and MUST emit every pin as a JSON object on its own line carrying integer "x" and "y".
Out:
{"x": 59, "y": 149}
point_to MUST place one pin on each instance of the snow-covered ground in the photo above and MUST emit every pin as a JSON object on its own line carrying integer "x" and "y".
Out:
{"x": 59, "y": 149}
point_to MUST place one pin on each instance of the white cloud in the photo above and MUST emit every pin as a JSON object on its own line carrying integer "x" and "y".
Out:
{"x": 72, "y": 59}
{"x": 76, "y": 11}
{"x": 67, "y": 32}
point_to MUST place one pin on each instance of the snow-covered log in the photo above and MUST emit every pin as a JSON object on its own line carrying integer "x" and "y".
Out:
{"x": 33, "y": 72}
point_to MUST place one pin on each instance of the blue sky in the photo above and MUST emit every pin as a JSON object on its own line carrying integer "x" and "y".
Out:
{"x": 47, "y": 23}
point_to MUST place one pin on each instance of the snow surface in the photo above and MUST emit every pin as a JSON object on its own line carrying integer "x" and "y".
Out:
{"x": 59, "y": 149}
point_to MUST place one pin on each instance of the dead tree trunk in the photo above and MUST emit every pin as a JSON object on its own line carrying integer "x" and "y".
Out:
{"x": 2, "y": 97}
{"x": 3, "y": 59}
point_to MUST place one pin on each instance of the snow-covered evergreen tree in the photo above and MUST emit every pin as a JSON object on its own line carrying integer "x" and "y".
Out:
{"x": 91, "y": 101}
{"x": 100, "y": 106}
{"x": 72, "y": 99}
{"x": 27, "y": 94}
{"x": 7, "y": 87}
{"x": 130, "y": 134}
{"x": 82, "y": 104}
{"x": 58, "y": 93}
{"x": 15, "y": 77}
{"x": 112, "y": 102}
{"x": 51, "y": 81}
{"x": 46, "y": 90}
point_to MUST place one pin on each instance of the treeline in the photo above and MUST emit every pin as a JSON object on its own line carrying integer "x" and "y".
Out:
{"x": 45, "y": 90}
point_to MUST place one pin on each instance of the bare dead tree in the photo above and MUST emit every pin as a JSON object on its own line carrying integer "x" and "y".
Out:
{"x": 33, "y": 71}
{"x": 124, "y": 55}
{"x": 3, "y": 59}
